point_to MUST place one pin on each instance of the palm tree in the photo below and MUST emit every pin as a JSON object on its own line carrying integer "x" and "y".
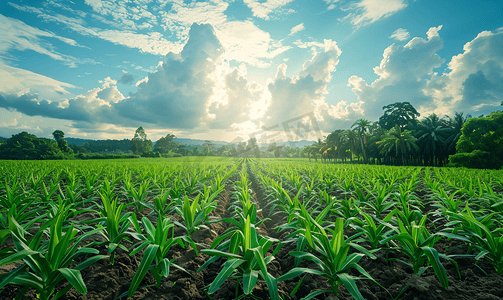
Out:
{"x": 336, "y": 141}
{"x": 351, "y": 137}
{"x": 362, "y": 126}
{"x": 402, "y": 142}
{"x": 432, "y": 134}
{"x": 455, "y": 124}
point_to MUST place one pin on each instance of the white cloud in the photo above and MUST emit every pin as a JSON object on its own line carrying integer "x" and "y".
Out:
{"x": 152, "y": 42}
{"x": 305, "y": 92}
{"x": 475, "y": 80}
{"x": 331, "y": 4}
{"x": 297, "y": 28}
{"x": 245, "y": 42}
{"x": 403, "y": 75}
{"x": 400, "y": 34}
{"x": 262, "y": 10}
{"x": 407, "y": 73}
{"x": 16, "y": 80}
{"x": 367, "y": 12}
{"x": 15, "y": 34}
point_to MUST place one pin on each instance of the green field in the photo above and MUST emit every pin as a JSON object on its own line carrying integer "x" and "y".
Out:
{"x": 224, "y": 228}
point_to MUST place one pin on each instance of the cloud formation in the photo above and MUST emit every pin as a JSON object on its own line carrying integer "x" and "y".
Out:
{"x": 17, "y": 35}
{"x": 407, "y": 73}
{"x": 367, "y": 12}
{"x": 243, "y": 41}
{"x": 262, "y": 10}
{"x": 402, "y": 75}
{"x": 126, "y": 78}
{"x": 400, "y": 34}
{"x": 297, "y": 28}
{"x": 475, "y": 80}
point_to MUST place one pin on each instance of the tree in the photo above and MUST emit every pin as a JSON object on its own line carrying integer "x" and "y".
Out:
{"x": 361, "y": 126}
{"x": 166, "y": 144}
{"x": 455, "y": 124}
{"x": 275, "y": 149}
{"x": 195, "y": 151}
{"x": 140, "y": 144}
{"x": 27, "y": 146}
{"x": 481, "y": 143}
{"x": 431, "y": 137}
{"x": 62, "y": 143}
{"x": 208, "y": 147}
{"x": 241, "y": 148}
{"x": 402, "y": 142}
{"x": 253, "y": 147}
{"x": 398, "y": 113}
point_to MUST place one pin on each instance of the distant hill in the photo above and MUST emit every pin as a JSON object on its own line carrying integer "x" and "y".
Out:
{"x": 197, "y": 142}
{"x": 2, "y": 140}
{"x": 77, "y": 141}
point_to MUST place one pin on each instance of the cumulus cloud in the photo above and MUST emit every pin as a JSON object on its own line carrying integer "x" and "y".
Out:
{"x": 126, "y": 78}
{"x": 305, "y": 92}
{"x": 367, "y": 12}
{"x": 176, "y": 95}
{"x": 297, "y": 28}
{"x": 262, "y": 10}
{"x": 402, "y": 75}
{"x": 245, "y": 42}
{"x": 473, "y": 82}
{"x": 400, "y": 34}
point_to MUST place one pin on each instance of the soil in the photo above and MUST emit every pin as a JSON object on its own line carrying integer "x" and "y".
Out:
{"x": 105, "y": 281}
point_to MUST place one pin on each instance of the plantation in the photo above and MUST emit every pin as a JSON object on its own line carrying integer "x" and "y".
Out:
{"x": 226, "y": 228}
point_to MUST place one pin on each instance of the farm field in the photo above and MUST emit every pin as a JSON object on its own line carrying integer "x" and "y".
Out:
{"x": 226, "y": 228}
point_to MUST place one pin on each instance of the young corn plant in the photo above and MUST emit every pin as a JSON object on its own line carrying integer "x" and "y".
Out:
{"x": 483, "y": 234}
{"x": 139, "y": 195}
{"x": 157, "y": 242}
{"x": 162, "y": 205}
{"x": 330, "y": 254}
{"x": 113, "y": 224}
{"x": 246, "y": 261}
{"x": 47, "y": 263}
{"x": 371, "y": 231}
{"x": 193, "y": 218}
{"x": 417, "y": 244}
{"x": 378, "y": 200}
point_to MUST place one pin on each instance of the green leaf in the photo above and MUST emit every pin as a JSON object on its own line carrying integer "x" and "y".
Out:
{"x": 146, "y": 261}
{"x": 17, "y": 256}
{"x": 165, "y": 266}
{"x": 75, "y": 279}
{"x": 7, "y": 278}
{"x": 439, "y": 269}
{"x": 297, "y": 272}
{"x": 214, "y": 252}
{"x": 350, "y": 285}
{"x": 250, "y": 278}
{"x": 226, "y": 271}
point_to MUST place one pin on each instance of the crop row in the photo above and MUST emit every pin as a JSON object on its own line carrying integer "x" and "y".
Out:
{"x": 333, "y": 215}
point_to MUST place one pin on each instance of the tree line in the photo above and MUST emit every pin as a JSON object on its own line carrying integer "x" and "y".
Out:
{"x": 399, "y": 138}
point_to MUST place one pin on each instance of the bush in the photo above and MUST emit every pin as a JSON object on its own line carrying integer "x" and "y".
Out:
{"x": 476, "y": 159}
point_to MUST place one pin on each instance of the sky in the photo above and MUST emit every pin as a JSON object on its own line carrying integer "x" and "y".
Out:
{"x": 229, "y": 70}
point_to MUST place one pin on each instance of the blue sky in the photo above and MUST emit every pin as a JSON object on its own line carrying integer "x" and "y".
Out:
{"x": 225, "y": 70}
